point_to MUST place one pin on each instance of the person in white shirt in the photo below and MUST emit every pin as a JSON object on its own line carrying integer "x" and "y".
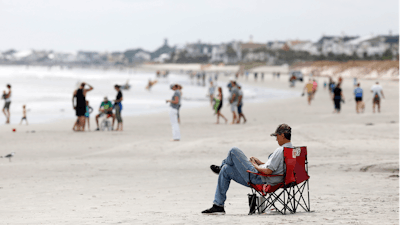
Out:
{"x": 173, "y": 114}
{"x": 377, "y": 94}
{"x": 236, "y": 164}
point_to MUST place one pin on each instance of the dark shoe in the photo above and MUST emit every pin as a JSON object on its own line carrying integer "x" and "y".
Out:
{"x": 215, "y": 210}
{"x": 215, "y": 169}
{"x": 97, "y": 129}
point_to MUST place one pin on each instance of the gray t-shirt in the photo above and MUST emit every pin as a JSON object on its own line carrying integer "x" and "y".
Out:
{"x": 235, "y": 91}
{"x": 275, "y": 163}
{"x": 211, "y": 90}
{"x": 240, "y": 93}
{"x": 176, "y": 93}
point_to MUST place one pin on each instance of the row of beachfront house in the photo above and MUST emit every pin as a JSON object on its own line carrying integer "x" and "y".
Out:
{"x": 228, "y": 53}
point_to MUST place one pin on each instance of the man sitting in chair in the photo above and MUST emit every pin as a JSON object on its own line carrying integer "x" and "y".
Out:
{"x": 236, "y": 164}
{"x": 106, "y": 107}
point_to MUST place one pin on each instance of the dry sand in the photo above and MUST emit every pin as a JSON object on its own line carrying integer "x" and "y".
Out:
{"x": 139, "y": 177}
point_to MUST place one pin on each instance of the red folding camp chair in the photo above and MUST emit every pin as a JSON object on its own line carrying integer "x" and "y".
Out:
{"x": 286, "y": 196}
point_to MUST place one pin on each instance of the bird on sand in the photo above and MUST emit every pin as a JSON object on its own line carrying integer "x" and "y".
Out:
{"x": 9, "y": 156}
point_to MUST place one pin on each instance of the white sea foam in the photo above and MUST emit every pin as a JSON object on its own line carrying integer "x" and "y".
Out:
{"x": 47, "y": 92}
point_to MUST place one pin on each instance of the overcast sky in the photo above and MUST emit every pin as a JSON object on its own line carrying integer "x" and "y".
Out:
{"x": 117, "y": 25}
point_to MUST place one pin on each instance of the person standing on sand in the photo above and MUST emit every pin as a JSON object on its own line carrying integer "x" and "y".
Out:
{"x": 255, "y": 76}
{"x": 236, "y": 164}
{"x": 80, "y": 107}
{"x": 173, "y": 113}
{"x": 377, "y": 94}
{"x": 240, "y": 104}
{"x": 7, "y": 103}
{"x": 309, "y": 88}
{"x": 337, "y": 97}
{"x": 218, "y": 105}
{"x": 358, "y": 93}
{"x": 118, "y": 107}
{"x": 234, "y": 100}
{"x": 179, "y": 107}
{"x": 24, "y": 115}
{"x": 87, "y": 114}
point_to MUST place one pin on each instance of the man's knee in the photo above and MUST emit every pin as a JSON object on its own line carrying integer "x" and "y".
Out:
{"x": 235, "y": 150}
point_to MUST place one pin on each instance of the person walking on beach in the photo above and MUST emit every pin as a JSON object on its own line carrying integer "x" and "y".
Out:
{"x": 240, "y": 104}
{"x": 87, "y": 114}
{"x": 173, "y": 113}
{"x": 337, "y": 97}
{"x": 314, "y": 89}
{"x": 292, "y": 80}
{"x": 7, "y": 103}
{"x": 234, "y": 100}
{"x": 80, "y": 107}
{"x": 377, "y": 94}
{"x": 358, "y": 93}
{"x": 255, "y": 76}
{"x": 118, "y": 107}
{"x": 309, "y": 88}
{"x": 211, "y": 91}
{"x": 218, "y": 105}
{"x": 262, "y": 76}
{"x": 24, "y": 115}
{"x": 236, "y": 164}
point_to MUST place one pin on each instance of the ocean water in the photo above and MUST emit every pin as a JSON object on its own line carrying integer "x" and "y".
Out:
{"x": 47, "y": 92}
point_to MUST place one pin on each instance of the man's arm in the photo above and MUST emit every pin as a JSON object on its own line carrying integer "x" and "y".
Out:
{"x": 175, "y": 101}
{"x": 119, "y": 100}
{"x": 382, "y": 94}
{"x": 240, "y": 99}
{"x": 88, "y": 89}
{"x": 259, "y": 169}
{"x": 233, "y": 97}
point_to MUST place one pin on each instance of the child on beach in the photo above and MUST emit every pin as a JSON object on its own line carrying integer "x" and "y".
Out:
{"x": 87, "y": 114}
{"x": 24, "y": 115}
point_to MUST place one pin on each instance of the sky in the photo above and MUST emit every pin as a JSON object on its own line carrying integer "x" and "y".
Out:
{"x": 118, "y": 25}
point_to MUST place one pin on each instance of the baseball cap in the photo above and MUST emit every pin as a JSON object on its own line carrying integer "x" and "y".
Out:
{"x": 283, "y": 128}
{"x": 105, "y": 98}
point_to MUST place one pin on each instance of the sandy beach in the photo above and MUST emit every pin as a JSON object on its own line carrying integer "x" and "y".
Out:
{"x": 139, "y": 177}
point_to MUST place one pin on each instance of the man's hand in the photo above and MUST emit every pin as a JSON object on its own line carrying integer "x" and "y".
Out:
{"x": 253, "y": 161}
{"x": 256, "y": 160}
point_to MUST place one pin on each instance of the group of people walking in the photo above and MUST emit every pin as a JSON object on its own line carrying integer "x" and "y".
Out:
{"x": 83, "y": 109}
{"x": 235, "y": 100}
{"x": 336, "y": 94}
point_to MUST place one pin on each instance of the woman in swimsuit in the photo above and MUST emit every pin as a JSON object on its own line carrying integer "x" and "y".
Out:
{"x": 218, "y": 105}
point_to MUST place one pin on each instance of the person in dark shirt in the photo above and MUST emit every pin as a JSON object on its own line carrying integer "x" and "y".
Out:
{"x": 337, "y": 97}
{"x": 118, "y": 107}
{"x": 80, "y": 107}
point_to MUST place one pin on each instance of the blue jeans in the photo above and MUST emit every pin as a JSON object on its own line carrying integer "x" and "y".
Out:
{"x": 234, "y": 167}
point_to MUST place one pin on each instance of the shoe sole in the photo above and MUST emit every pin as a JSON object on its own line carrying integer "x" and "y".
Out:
{"x": 214, "y": 213}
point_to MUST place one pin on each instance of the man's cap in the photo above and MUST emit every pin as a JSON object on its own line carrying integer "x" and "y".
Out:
{"x": 105, "y": 98}
{"x": 283, "y": 128}
{"x": 171, "y": 85}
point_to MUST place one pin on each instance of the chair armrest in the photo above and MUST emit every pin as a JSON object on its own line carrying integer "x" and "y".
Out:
{"x": 265, "y": 175}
